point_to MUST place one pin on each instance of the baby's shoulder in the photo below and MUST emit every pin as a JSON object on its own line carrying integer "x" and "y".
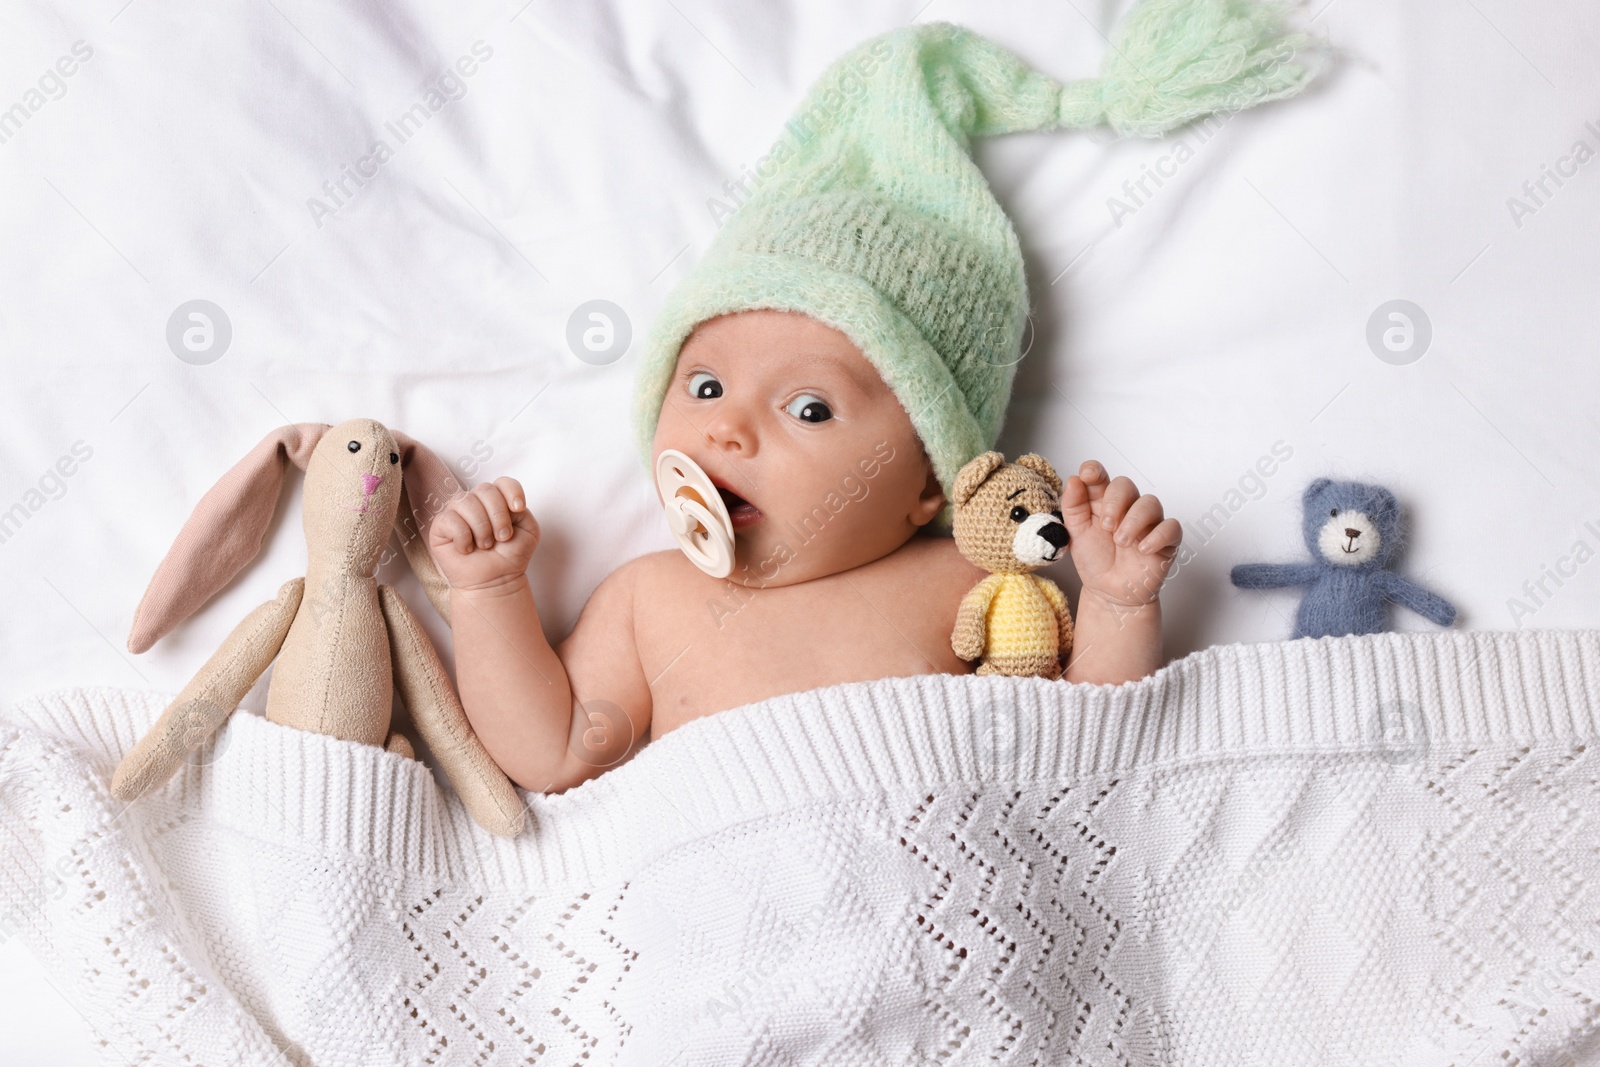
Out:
{"x": 619, "y": 589}
{"x": 937, "y": 560}
{"x": 662, "y": 562}
{"x": 655, "y": 574}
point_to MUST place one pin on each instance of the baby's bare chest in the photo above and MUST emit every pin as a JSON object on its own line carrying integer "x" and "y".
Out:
{"x": 718, "y": 645}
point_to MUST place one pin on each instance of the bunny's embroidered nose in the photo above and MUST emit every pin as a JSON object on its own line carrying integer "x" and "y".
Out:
{"x": 369, "y": 482}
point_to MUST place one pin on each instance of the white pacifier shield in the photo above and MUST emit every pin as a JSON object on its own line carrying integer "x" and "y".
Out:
{"x": 696, "y": 514}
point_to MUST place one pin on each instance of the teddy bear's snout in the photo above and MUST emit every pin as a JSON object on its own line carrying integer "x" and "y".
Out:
{"x": 1040, "y": 539}
{"x": 1350, "y": 539}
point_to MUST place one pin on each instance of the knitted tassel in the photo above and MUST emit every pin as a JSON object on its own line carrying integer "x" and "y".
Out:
{"x": 1172, "y": 61}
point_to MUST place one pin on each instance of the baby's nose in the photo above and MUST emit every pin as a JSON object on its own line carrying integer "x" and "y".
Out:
{"x": 1348, "y": 532}
{"x": 369, "y": 482}
{"x": 729, "y": 431}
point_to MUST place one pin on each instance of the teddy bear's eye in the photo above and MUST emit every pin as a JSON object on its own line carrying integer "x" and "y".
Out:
{"x": 394, "y": 457}
{"x": 1334, "y": 513}
{"x": 1019, "y": 513}
{"x": 354, "y": 446}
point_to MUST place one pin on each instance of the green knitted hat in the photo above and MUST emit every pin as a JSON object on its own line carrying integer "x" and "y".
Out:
{"x": 869, "y": 215}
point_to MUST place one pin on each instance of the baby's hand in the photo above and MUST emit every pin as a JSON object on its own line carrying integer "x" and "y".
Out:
{"x": 1121, "y": 546}
{"x": 484, "y": 538}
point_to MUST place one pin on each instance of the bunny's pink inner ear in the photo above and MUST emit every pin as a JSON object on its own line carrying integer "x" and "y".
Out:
{"x": 428, "y": 486}
{"x": 224, "y": 533}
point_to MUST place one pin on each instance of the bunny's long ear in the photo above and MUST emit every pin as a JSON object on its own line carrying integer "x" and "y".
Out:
{"x": 427, "y": 486}
{"x": 223, "y": 534}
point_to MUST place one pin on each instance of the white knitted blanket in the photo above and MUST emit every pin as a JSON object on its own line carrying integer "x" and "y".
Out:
{"x": 1373, "y": 850}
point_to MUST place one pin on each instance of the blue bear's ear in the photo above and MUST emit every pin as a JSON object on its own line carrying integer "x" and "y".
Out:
{"x": 1315, "y": 488}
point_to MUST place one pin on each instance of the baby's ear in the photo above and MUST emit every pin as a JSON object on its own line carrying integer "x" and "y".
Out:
{"x": 974, "y": 474}
{"x": 1041, "y": 466}
{"x": 930, "y": 502}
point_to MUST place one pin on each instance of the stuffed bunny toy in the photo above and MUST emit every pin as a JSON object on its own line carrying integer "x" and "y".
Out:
{"x": 341, "y": 642}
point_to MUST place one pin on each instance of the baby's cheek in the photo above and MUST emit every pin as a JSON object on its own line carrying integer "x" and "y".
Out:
{"x": 854, "y": 487}
{"x": 865, "y": 503}
{"x": 669, "y": 423}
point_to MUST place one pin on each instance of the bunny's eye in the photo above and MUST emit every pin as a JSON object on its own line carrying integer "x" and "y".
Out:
{"x": 1334, "y": 513}
{"x": 394, "y": 457}
{"x": 354, "y": 446}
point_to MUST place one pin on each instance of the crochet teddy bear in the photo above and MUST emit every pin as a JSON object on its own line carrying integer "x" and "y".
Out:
{"x": 1007, "y": 520}
{"x": 1352, "y": 530}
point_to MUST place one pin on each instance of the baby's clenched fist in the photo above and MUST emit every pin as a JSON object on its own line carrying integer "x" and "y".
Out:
{"x": 484, "y": 538}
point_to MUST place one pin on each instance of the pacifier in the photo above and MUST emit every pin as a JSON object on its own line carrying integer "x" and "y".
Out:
{"x": 696, "y": 514}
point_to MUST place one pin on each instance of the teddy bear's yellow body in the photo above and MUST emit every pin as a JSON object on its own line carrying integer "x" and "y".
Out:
{"x": 1026, "y": 620}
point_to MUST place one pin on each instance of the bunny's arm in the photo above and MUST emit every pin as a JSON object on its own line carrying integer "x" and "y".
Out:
{"x": 971, "y": 634}
{"x": 1405, "y": 592}
{"x": 210, "y": 696}
{"x": 425, "y": 688}
{"x": 1273, "y": 575}
{"x": 1058, "y": 601}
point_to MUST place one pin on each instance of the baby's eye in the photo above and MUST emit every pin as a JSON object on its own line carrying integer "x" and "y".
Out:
{"x": 704, "y": 386}
{"x": 809, "y": 408}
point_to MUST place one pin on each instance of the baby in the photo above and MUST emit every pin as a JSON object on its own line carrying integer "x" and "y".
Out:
{"x": 845, "y": 346}
{"x": 779, "y": 410}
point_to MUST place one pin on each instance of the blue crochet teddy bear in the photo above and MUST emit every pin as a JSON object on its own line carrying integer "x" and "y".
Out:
{"x": 1352, "y": 530}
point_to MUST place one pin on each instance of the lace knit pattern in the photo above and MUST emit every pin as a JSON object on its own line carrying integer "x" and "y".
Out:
{"x": 1367, "y": 850}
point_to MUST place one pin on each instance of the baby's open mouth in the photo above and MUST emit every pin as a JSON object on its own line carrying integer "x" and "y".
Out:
{"x": 740, "y": 510}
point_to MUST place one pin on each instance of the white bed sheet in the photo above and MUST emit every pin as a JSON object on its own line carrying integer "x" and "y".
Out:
{"x": 1221, "y": 325}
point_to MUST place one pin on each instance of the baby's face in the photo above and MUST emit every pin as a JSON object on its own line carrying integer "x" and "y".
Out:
{"x": 819, "y": 464}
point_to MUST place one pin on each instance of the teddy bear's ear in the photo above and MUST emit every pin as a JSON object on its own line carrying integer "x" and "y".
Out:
{"x": 1386, "y": 504}
{"x": 974, "y": 474}
{"x": 1314, "y": 488}
{"x": 1041, "y": 466}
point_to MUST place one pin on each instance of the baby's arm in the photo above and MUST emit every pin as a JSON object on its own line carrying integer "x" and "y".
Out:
{"x": 549, "y": 720}
{"x": 1122, "y": 549}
